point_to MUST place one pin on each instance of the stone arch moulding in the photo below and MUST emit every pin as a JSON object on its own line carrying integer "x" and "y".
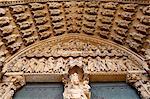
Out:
{"x": 50, "y": 61}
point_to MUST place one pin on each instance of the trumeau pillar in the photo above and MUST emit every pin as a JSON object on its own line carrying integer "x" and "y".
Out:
{"x": 76, "y": 85}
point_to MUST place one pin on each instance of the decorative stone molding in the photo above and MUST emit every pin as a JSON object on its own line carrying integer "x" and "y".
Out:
{"x": 7, "y": 2}
{"x": 25, "y": 22}
{"x": 62, "y": 65}
{"x": 141, "y": 82}
{"x": 10, "y": 84}
{"x": 134, "y": 76}
{"x": 59, "y": 56}
{"x": 49, "y": 38}
{"x": 143, "y": 87}
{"x": 92, "y": 54}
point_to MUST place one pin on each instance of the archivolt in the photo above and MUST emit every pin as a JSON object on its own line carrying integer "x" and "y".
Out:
{"x": 76, "y": 46}
{"x": 49, "y": 60}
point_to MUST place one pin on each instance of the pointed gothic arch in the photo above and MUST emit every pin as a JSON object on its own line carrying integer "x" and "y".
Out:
{"x": 40, "y": 40}
{"x": 51, "y": 60}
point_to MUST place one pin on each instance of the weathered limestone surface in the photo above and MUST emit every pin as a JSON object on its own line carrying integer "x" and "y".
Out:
{"x": 124, "y": 23}
{"x": 76, "y": 88}
{"x": 53, "y": 37}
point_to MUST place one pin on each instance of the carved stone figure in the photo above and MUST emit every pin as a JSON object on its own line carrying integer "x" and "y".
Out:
{"x": 111, "y": 65}
{"x": 54, "y": 5}
{"x": 33, "y": 64}
{"x": 25, "y": 25}
{"x": 127, "y": 16}
{"x": 4, "y": 21}
{"x": 133, "y": 44}
{"x": 123, "y": 24}
{"x": 2, "y": 11}
{"x": 110, "y": 5}
{"x": 80, "y": 62}
{"x": 142, "y": 28}
{"x": 109, "y": 13}
{"x": 24, "y": 64}
{"x": 45, "y": 34}
{"x": 91, "y": 11}
{"x": 50, "y": 64}
{"x": 71, "y": 62}
{"x": 40, "y": 65}
{"x": 86, "y": 88}
{"x": 30, "y": 40}
{"x": 21, "y": 17}
{"x": 88, "y": 30}
{"x": 145, "y": 20}
{"x": 7, "y": 30}
{"x": 43, "y": 28}
{"x": 58, "y": 25}
{"x": 60, "y": 65}
{"x": 15, "y": 46}
{"x": 89, "y": 24}
{"x": 105, "y": 27}
{"x": 91, "y": 18}
{"x": 57, "y": 18}
{"x": 38, "y": 13}
{"x": 3, "y": 89}
{"x": 9, "y": 85}
{"x": 137, "y": 36}
{"x": 41, "y": 20}
{"x": 18, "y": 9}
{"x": 9, "y": 94}
{"x": 27, "y": 32}
{"x": 142, "y": 87}
{"x": 129, "y": 7}
{"x": 107, "y": 20}
{"x": 11, "y": 38}
{"x": 146, "y": 10}
{"x": 36, "y": 6}
{"x": 76, "y": 89}
{"x": 55, "y": 12}
{"x": 121, "y": 31}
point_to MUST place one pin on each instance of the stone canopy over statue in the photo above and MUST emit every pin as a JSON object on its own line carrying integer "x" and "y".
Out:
{"x": 76, "y": 87}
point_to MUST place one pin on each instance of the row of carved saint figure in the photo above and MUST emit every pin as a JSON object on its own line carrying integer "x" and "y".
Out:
{"x": 61, "y": 65}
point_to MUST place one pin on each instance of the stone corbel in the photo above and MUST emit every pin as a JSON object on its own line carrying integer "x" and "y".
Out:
{"x": 10, "y": 84}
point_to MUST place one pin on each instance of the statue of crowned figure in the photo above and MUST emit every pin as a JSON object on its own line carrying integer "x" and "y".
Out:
{"x": 76, "y": 89}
